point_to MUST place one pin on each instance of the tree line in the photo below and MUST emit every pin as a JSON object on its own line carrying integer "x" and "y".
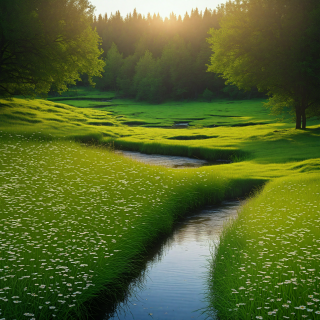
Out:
{"x": 155, "y": 59}
{"x": 275, "y": 46}
{"x": 270, "y": 45}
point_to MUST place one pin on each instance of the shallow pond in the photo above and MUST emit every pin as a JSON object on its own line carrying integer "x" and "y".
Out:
{"x": 173, "y": 283}
{"x": 169, "y": 161}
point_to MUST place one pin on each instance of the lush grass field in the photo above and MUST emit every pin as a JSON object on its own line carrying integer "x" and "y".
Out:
{"x": 75, "y": 217}
{"x": 271, "y": 150}
{"x": 267, "y": 262}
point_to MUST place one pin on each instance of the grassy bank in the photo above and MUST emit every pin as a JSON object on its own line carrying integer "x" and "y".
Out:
{"x": 267, "y": 262}
{"x": 75, "y": 218}
{"x": 270, "y": 150}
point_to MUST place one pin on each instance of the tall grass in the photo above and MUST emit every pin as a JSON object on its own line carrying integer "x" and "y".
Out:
{"x": 267, "y": 263}
{"x": 74, "y": 219}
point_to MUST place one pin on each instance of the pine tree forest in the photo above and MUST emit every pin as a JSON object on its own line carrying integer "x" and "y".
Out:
{"x": 155, "y": 59}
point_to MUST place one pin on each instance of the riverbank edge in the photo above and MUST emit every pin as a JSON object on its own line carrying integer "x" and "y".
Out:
{"x": 115, "y": 291}
{"x": 164, "y": 148}
{"x": 223, "y": 266}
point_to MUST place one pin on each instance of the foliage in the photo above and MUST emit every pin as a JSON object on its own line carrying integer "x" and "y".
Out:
{"x": 46, "y": 44}
{"x": 113, "y": 64}
{"x": 144, "y": 80}
{"x": 273, "y": 45}
{"x": 179, "y": 53}
{"x": 208, "y": 95}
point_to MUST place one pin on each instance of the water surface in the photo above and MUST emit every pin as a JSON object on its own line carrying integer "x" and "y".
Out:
{"x": 165, "y": 160}
{"x": 173, "y": 284}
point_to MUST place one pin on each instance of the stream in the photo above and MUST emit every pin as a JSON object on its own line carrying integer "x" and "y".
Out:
{"x": 169, "y": 161}
{"x": 173, "y": 284}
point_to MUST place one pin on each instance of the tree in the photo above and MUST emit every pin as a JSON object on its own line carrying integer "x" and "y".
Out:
{"x": 176, "y": 59}
{"x": 275, "y": 46}
{"x": 114, "y": 62}
{"x": 46, "y": 44}
{"x": 147, "y": 81}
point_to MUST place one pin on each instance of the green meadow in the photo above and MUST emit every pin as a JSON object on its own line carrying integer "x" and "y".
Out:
{"x": 267, "y": 261}
{"x": 76, "y": 217}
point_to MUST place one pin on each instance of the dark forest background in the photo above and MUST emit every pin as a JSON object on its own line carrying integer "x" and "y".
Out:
{"x": 155, "y": 59}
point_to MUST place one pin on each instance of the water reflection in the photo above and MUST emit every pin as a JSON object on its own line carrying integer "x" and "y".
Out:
{"x": 165, "y": 161}
{"x": 173, "y": 283}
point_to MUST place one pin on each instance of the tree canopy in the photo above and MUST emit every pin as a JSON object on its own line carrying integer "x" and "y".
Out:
{"x": 46, "y": 44}
{"x": 275, "y": 46}
{"x": 154, "y": 59}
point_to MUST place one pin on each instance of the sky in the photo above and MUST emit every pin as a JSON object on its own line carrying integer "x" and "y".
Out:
{"x": 164, "y": 7}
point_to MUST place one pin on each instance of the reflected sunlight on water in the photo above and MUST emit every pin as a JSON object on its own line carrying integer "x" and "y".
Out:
{"x": 174, "y": 282}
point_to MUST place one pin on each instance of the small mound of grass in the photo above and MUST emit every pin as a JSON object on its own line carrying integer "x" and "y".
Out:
{"x": 134, "y": 123}
{"x": 101, "y": 123}
{"x": 248, "y": 124}
{"x": 195, "y": 137}
{"x": 13, "y": 117}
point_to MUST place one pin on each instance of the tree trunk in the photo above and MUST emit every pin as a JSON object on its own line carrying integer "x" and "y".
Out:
{"x": 304, "y": 119}
{"x": 298, "y": 117}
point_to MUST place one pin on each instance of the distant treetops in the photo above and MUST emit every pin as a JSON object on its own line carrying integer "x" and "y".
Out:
{"x": 154, "y": 59}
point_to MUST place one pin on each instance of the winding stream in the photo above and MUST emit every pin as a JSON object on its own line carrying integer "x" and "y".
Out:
{"x": 173, "y": 283}
{"x": 168, "y": 161}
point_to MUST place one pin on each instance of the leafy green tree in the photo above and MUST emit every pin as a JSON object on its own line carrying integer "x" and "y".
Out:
{"x": 176, "y": 57}
{"x": 114, "y": 62}
{"x": 275, "y": 46}
{"x": 147, "y": 81}
{"x": 46, "y": 44}
{"x": 126, "y": 74}
{"x": 208, "y": 95}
